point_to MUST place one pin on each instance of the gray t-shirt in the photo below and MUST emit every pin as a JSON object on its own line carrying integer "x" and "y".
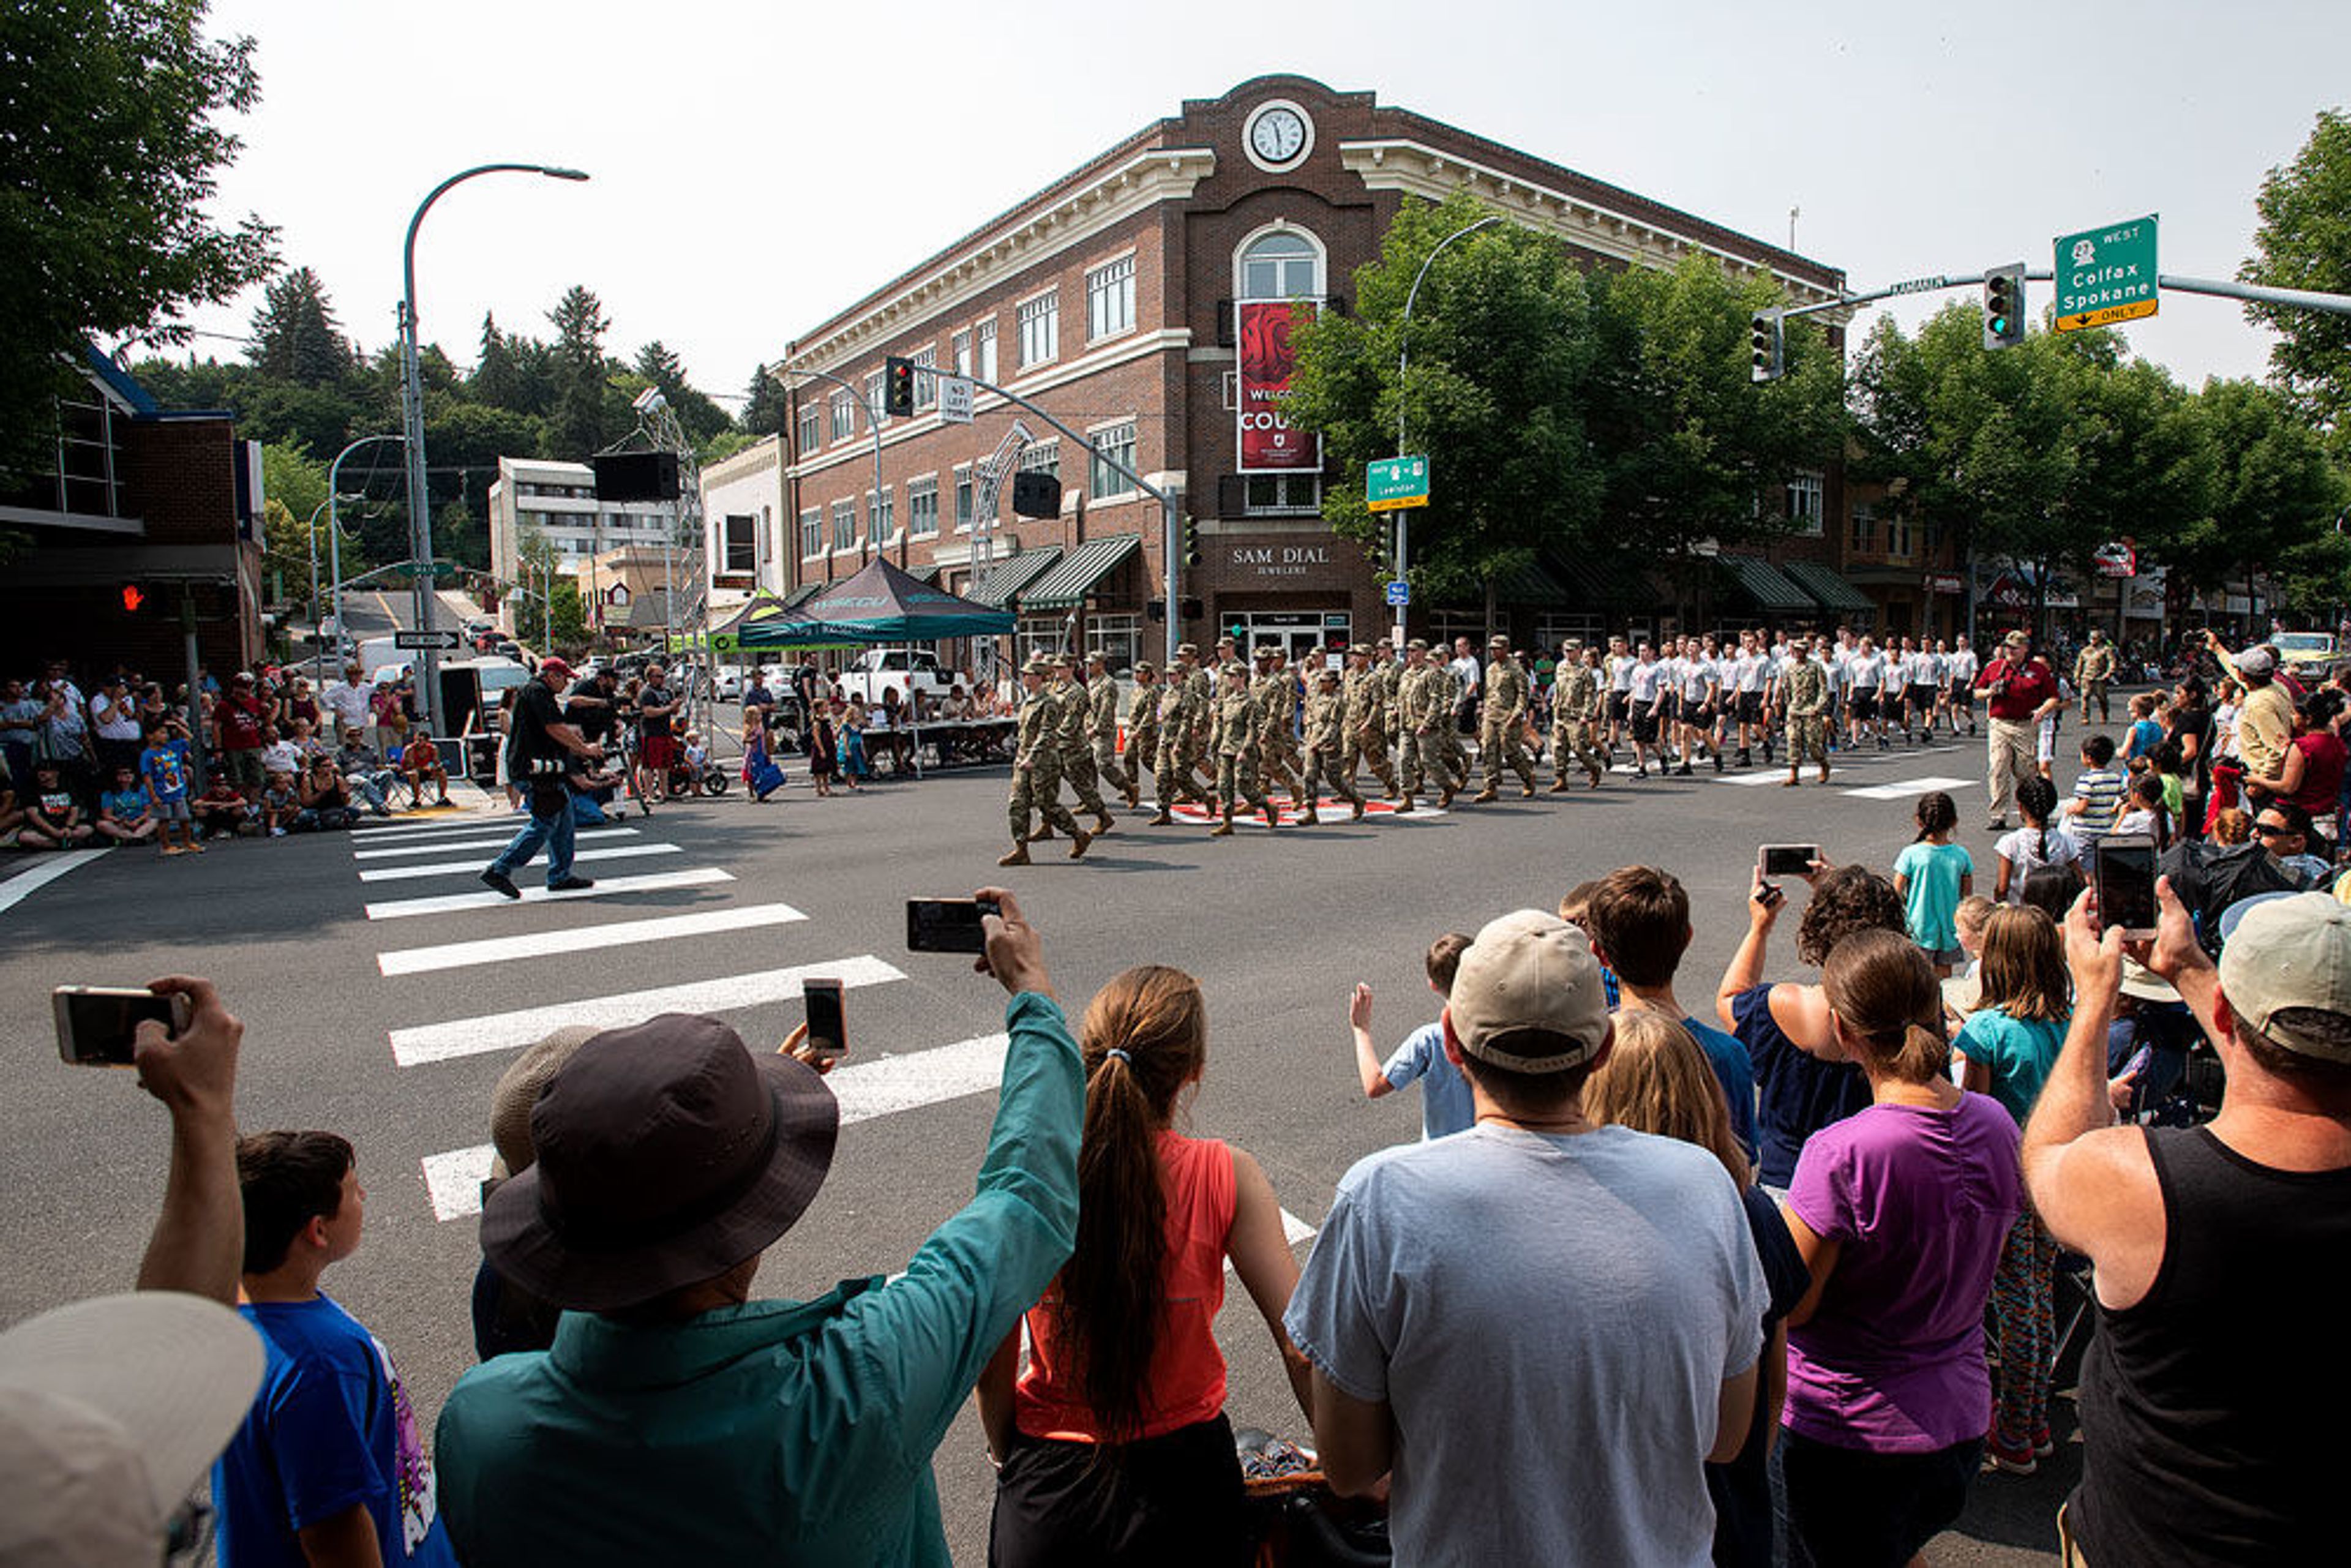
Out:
{"x": 1551, "y": 1319}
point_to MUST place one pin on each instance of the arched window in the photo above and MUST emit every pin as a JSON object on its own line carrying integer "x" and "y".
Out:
{"x": 1281, "y": 264}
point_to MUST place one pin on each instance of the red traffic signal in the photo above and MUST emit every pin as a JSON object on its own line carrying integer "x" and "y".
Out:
{"x": 133, "y": 596}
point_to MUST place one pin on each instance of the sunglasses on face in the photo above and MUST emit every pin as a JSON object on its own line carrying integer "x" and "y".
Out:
{"x": 2271, "y": 831}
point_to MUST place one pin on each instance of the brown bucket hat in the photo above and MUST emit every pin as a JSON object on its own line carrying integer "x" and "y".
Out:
{"x": 668, "y": 1153}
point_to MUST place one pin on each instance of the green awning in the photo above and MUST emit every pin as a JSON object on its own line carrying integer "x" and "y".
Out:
{"x": 1531, "y": 584}
{"x": 1013, "y": 573}
{"x": 1833, "y": 592}
{"x": 1768, "y": 586}
{"x": 1066, "y": 585}
{"x": 1601, "y": 580}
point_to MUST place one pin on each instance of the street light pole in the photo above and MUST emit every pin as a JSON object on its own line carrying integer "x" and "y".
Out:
{"x": 334, "y": 524}
{"x": 412, "y": 408}
{"x": 1404, "y": 349}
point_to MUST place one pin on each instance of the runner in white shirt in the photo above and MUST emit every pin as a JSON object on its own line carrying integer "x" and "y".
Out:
{"x": 1751, "y": 672}
{"x": 1928, "y": 679}
{"x": 1649, "y": 679}
{"x": 1865, "y": 675}
{"x": 1840, "y": 662}
{"x": 1698, "y": 684}
{"x": 1619, "y": 667}
{"x": 1960, "y": 671}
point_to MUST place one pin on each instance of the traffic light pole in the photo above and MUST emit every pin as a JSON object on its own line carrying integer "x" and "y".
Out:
{"x": 2333, "y": 304}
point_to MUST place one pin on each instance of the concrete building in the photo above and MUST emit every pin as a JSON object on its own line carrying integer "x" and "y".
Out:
{"x": 557, "y": 501}
{"x": 743, "y": 503}
{"x": 1114, "y": 296}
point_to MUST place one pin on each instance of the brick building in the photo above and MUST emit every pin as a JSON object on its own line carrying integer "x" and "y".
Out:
{"x": 1111, "y": 297}
{"x": 143, "y": 534}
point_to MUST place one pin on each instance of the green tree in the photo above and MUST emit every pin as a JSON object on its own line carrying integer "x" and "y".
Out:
{"x": 765, "y": 407}
{"x": 110, "y": 144}
{"x": 496, "y": 379}
{"x": 543, "y": 586}
{"x": 698, "y": 415}
{"x": 1500, "y": 346}
{"x": 296, "y": 337}
{"x": 579, "y": 427}
{"x": 2305, "y": 242}
{"x": 2276, "y": 498}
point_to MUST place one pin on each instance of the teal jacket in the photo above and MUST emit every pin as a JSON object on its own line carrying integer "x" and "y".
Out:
{"x": 796, "y": 1432}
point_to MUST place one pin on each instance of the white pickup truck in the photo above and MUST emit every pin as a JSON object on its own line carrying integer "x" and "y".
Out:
{"x": 878, "y": 670}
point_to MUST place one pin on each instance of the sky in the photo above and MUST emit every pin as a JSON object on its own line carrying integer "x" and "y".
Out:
{"x": 756, "y": 167}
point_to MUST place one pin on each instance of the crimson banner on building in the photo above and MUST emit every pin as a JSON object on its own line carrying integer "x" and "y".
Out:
{"x": 1269, "y": 444}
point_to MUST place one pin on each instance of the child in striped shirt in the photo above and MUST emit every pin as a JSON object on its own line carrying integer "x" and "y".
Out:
{"x": 2097, "y": 792}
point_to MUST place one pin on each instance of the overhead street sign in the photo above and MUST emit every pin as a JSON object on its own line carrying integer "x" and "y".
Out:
{"x": 2106, "y": 275}
{"x": 426, "y": 640}
{"x": 1390, "y": 482}
{"x": 1399, "y": 594}
{"x": 955, "y": 399}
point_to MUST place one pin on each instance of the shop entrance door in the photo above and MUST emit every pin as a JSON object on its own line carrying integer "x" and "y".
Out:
{"x": 1298, "y": 633}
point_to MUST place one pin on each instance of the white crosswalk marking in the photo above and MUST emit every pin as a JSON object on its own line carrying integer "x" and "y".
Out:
{"x": 1906, "y": 787}
{"x": 512, "y": 1031}
{"x": 1774, "y": 777}
{"x": 584, "y": 938}
{"x": 470, "y": 822}
{"x": 450, "y": 846}
{"x": 451, "y": 868}
{"x": 606, "y": 887}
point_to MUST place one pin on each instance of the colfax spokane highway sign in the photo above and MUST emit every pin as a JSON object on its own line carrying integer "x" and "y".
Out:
{"x": 2106, "y": 275}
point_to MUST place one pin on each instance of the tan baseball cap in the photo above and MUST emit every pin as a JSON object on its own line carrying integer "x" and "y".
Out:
{"x": 1497, "y": 640}
{"x": 2286, "y": 955}
{"x": 1528, "y": 970}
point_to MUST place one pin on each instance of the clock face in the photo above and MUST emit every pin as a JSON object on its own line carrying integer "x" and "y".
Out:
{"x": 1278, "y": 135}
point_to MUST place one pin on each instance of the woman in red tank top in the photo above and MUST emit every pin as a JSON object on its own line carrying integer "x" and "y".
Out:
{"x": 1111, "y": 1442}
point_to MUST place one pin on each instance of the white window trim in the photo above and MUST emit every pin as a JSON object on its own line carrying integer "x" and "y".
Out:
{"x": 1020, "y": 329}
{"x": 1284, "y": 226}
{"x": 814, "y": 515}
{"x": 1134, "y": 292}
{"x": 1134, "y": 422}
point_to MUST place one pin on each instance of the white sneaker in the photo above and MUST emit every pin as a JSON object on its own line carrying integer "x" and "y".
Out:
{"x": 276, "y": 832}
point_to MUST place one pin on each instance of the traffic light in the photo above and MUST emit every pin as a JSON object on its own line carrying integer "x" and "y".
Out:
{"x": 1191, "y": 542}
{"x": 898, "y": 387}
{"x": 2003, "y": 307}
{"x": 134, "y": 597}
{"x": 1766, "y": 351}
{"x": 1190, "y": 609}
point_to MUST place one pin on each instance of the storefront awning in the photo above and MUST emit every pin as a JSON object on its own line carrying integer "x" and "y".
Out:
{"x": 1835, "y": 593}
{"x": 1601, "y": 580}
{"x": 1013, "y": 573}
{"x": 1768, "y": 586}
{"x": 1532, "y": 585}
{"x": 1067, "y": 585}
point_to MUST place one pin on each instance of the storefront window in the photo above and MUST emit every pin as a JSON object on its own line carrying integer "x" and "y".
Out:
{"x": 1118, "y": 638}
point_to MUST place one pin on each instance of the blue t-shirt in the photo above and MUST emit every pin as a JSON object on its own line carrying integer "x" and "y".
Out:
{"x": 1735, "y": 1073}
{"x": 123, "y": 805}
{"x": 1445, "y": 1105}
{"x": 1796, "y": 1093}
{"x": 165, "y": 768}
{"x": 2146, "y": 734}
{"x": 2019, "y": 1051}
{"x": 1932, "y": 897}
{"x": 331, "y": 1427}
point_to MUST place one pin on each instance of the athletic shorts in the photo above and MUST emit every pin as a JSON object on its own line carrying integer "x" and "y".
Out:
{"x": 1861, "y": 705}
{"x": 658, "y": 751}
{"x": 1645, "y": 721}
{"x": 1750, "y": 707}
{"x": 1922, "y": 697}
{"x": 2044, "y": 748}
{"x": 170, "y": 810}
{"x": 1620, "y": 707}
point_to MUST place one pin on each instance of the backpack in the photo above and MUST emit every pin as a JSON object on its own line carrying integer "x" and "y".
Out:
{"x": 2207, "y": 878}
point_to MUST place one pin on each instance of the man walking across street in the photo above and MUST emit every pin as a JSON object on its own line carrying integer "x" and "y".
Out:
{"x": 1327, "y": 715}
{"x": 1575, "y": 712}
{"x": 1071, "y": 740}
{"x": 1234, "y": 740}
{"x": 1425, "y": 715}
{"x": 1502, "y": 716}
{"x": 2020, "y": 690}
{"x": 2094, "y": 671}
{"x": 1102, "y": 726}
{"x": 1171, "y": 771}
{"x": 540, "y": 751}
{"x": 1271, "y": 691}
{"x": 1366, "y": 741}
{"x": 1960, "y": 676}
{"x": 1804, "y": 690}
{"x": 1143, "y": 729}
{"x": 1037, "y": 769}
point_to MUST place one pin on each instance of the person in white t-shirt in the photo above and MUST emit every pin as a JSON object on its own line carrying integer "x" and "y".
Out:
{"x": 1697, "y": 683}
{"x": 1959, "y": 675}
{"x": 1839, "y": 658}
{"x": 1865, "y": 674}
{"x": 1618, "y": 668}
{"x": 1751, "y": 673}
{"x": 1648, "y": 680}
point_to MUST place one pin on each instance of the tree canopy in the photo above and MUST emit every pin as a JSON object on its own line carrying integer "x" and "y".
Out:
{"x": 2305, "y": 242}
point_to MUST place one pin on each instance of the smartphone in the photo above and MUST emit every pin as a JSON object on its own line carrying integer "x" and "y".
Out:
{"x": 2124, "y": 877}
{"x": 827, "y": 1035}
{"x": 947, "y": 924}
{"x": 98, "y": 1025}
{"x": 1787, "y": 860}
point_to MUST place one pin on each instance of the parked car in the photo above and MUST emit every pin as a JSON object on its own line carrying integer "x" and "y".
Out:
{"x": 731, "y": 681}
{"x": 906, "y": 671}
{"x": 2312, "y": 656}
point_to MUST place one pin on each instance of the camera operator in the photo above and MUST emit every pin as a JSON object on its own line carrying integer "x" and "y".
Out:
{"x": 540, "y": 750}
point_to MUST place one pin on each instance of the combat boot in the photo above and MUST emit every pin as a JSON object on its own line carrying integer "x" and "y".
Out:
{"x": 1078, "y": 846}
{"x": 1272, "y": 814}
{"x": 1105, "y": 824}
{"x": 1824, "y": 772}
{"x": 1223, "y": 830}
{"x": 1558, "y": 783}
{"x": 1489, "y": 793}
{"x": 1310, "y": 819}
{"x": 1162, "y": 820}
{"x": 1526, "y": 789}
{"x": 1404, "y": 805}
{"x": 1791, "y": 781}
{"x": 1357, "y": 815}
{"x": 1018, "y": 856}
{"x": 1594, "y": 769}
{"x": 1745, "y": 758}
{"x": 1134, "y": 796}
{"x": 1445, "y": 799}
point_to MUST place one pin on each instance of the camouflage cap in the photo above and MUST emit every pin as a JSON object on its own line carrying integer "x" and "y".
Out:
{"x": 1497, "y": 640}
{"x": 1327, "y": 674}
{"x": 1145, "y": 667}
{"x": 1236, "y": 670}
{"x": 1360, "y": 651}
{"x": 1417, "y": 645}
{"x": 1097, "y": 657}
{"x": 1060, "y": 662}
{"x": 1268, "y": 651}
{"x": 1188, "y": 649}
{"x": 1038, "y": 664}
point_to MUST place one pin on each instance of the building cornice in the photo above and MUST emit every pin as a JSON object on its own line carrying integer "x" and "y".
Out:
{"x": 1433, "y": 173}
{"x": 1026, "y": 237}
{"x": 762, "y": 454}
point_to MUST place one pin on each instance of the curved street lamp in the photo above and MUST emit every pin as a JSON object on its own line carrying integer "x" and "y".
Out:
{"x": 1404, "y": 347}
{"x": 412, "y": 408}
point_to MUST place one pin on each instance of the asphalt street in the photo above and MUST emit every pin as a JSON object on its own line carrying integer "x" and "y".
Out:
{"x": 383, "y": 991}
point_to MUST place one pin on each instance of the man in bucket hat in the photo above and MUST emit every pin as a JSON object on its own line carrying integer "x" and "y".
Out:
{"x": 676, "y": 1420}
{"x": 1628, "y": 1278}
{"x": 2210, "y": 1392}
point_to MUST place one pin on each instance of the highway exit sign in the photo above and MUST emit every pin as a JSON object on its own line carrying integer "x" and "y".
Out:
{"x": 2106, "y": 275}
{"x": 1390, "y": 482}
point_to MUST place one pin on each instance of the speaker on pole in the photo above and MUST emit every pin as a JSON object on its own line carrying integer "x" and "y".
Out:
{"x": 636, "y": 476}
{"x": 1036, "y": 494}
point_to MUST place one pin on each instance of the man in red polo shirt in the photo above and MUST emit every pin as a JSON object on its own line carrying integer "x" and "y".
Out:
{"x": 2020, "y": 688}
{"x": 236, "y": 735}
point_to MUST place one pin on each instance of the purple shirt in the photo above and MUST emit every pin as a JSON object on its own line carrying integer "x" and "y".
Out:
{"x": 1893, "y": 1361}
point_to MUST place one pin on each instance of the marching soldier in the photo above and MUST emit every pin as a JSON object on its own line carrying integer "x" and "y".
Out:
{"x": 1391, "y": 675}
{"x": 1233, "y": 739}
{"x": 2093, "y": 667}
{"x": 1575, "y": 708}
{"x": 1271, "y": 691}
{"x": 1424, "y": 718}
{"x": 1199, "y": 773}
{"x": 1142, "y": 729}
{"x": 1501, "y": 717}
{"x": 1366, "y": 744}
{"x": 1326, "y": 717}
{"x": 1101, "y": 727}
{"x": 1805, "y": 689}
{"x": 1450, "y": 681}
{"x": 1076, "y": 745}
{"x": 1171, "y": 773}
{"x": 1036, "y": 770}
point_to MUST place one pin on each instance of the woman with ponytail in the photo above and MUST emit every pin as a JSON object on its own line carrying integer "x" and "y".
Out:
{"x": 1111, "y": 1442}
{"x": 1900, "y": 1211}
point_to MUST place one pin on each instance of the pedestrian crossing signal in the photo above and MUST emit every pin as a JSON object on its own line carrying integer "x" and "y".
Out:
{"x": 133, "y": 597}
{"x": 2003, "y": 307}
{"x": 1766, "y": 350}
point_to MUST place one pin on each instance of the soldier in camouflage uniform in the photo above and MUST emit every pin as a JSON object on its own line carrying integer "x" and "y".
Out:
{"x": 1366, "y": 737}
{"x": 1171, "y": 779}
{"x": 1102, "y": 726}
{"x": 1142, "y": 729}
{"x": 1502, "y": 719}
{"x": 1575, "y": 715}
{"x": 1270, "y": 690}
{"x": 1424, "y": 709}
{"x": 1457, "y": 760}
{"x": 2093, "y": 667}
{"x": 1036, "y": 770}
{"x": 1206, "y": 681}
{"x": 1076, "y": 745}
{"x": 1233, "y": 739}
{"x": 1390, "y": 671}
{"x": 1804, "y": 691}
{"x": 1326, "y": 716}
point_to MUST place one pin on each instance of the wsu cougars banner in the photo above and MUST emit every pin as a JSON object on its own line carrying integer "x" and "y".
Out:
{"x": 1270, "y": 443}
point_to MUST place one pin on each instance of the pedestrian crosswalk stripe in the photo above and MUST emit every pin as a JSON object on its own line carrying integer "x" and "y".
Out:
{"x": 446, "y": 846}
{"x": 13, "y": 892}
{"x": 1773, "y": 777}
{"x": 510, "y": 1031}
{"x": 451, "y": 868}
{"x": 583, "y": 938}
{"x": 1902, "y": 788}
{"x": 472, "y": 822}
{"x": 606, "y": 887}
{"x": 882, "y": 1087}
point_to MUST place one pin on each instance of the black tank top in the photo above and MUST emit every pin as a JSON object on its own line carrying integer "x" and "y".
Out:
{"x": 2215, "y": 1408}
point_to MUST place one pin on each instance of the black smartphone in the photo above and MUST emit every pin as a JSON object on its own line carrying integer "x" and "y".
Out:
{"x": 98, "y": 1025}
{"x": 947, "y": 924}
{"x": 828, "y": 1034}
{"x": 1787, "y": 860}
{"x": 2125, "y": 867}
